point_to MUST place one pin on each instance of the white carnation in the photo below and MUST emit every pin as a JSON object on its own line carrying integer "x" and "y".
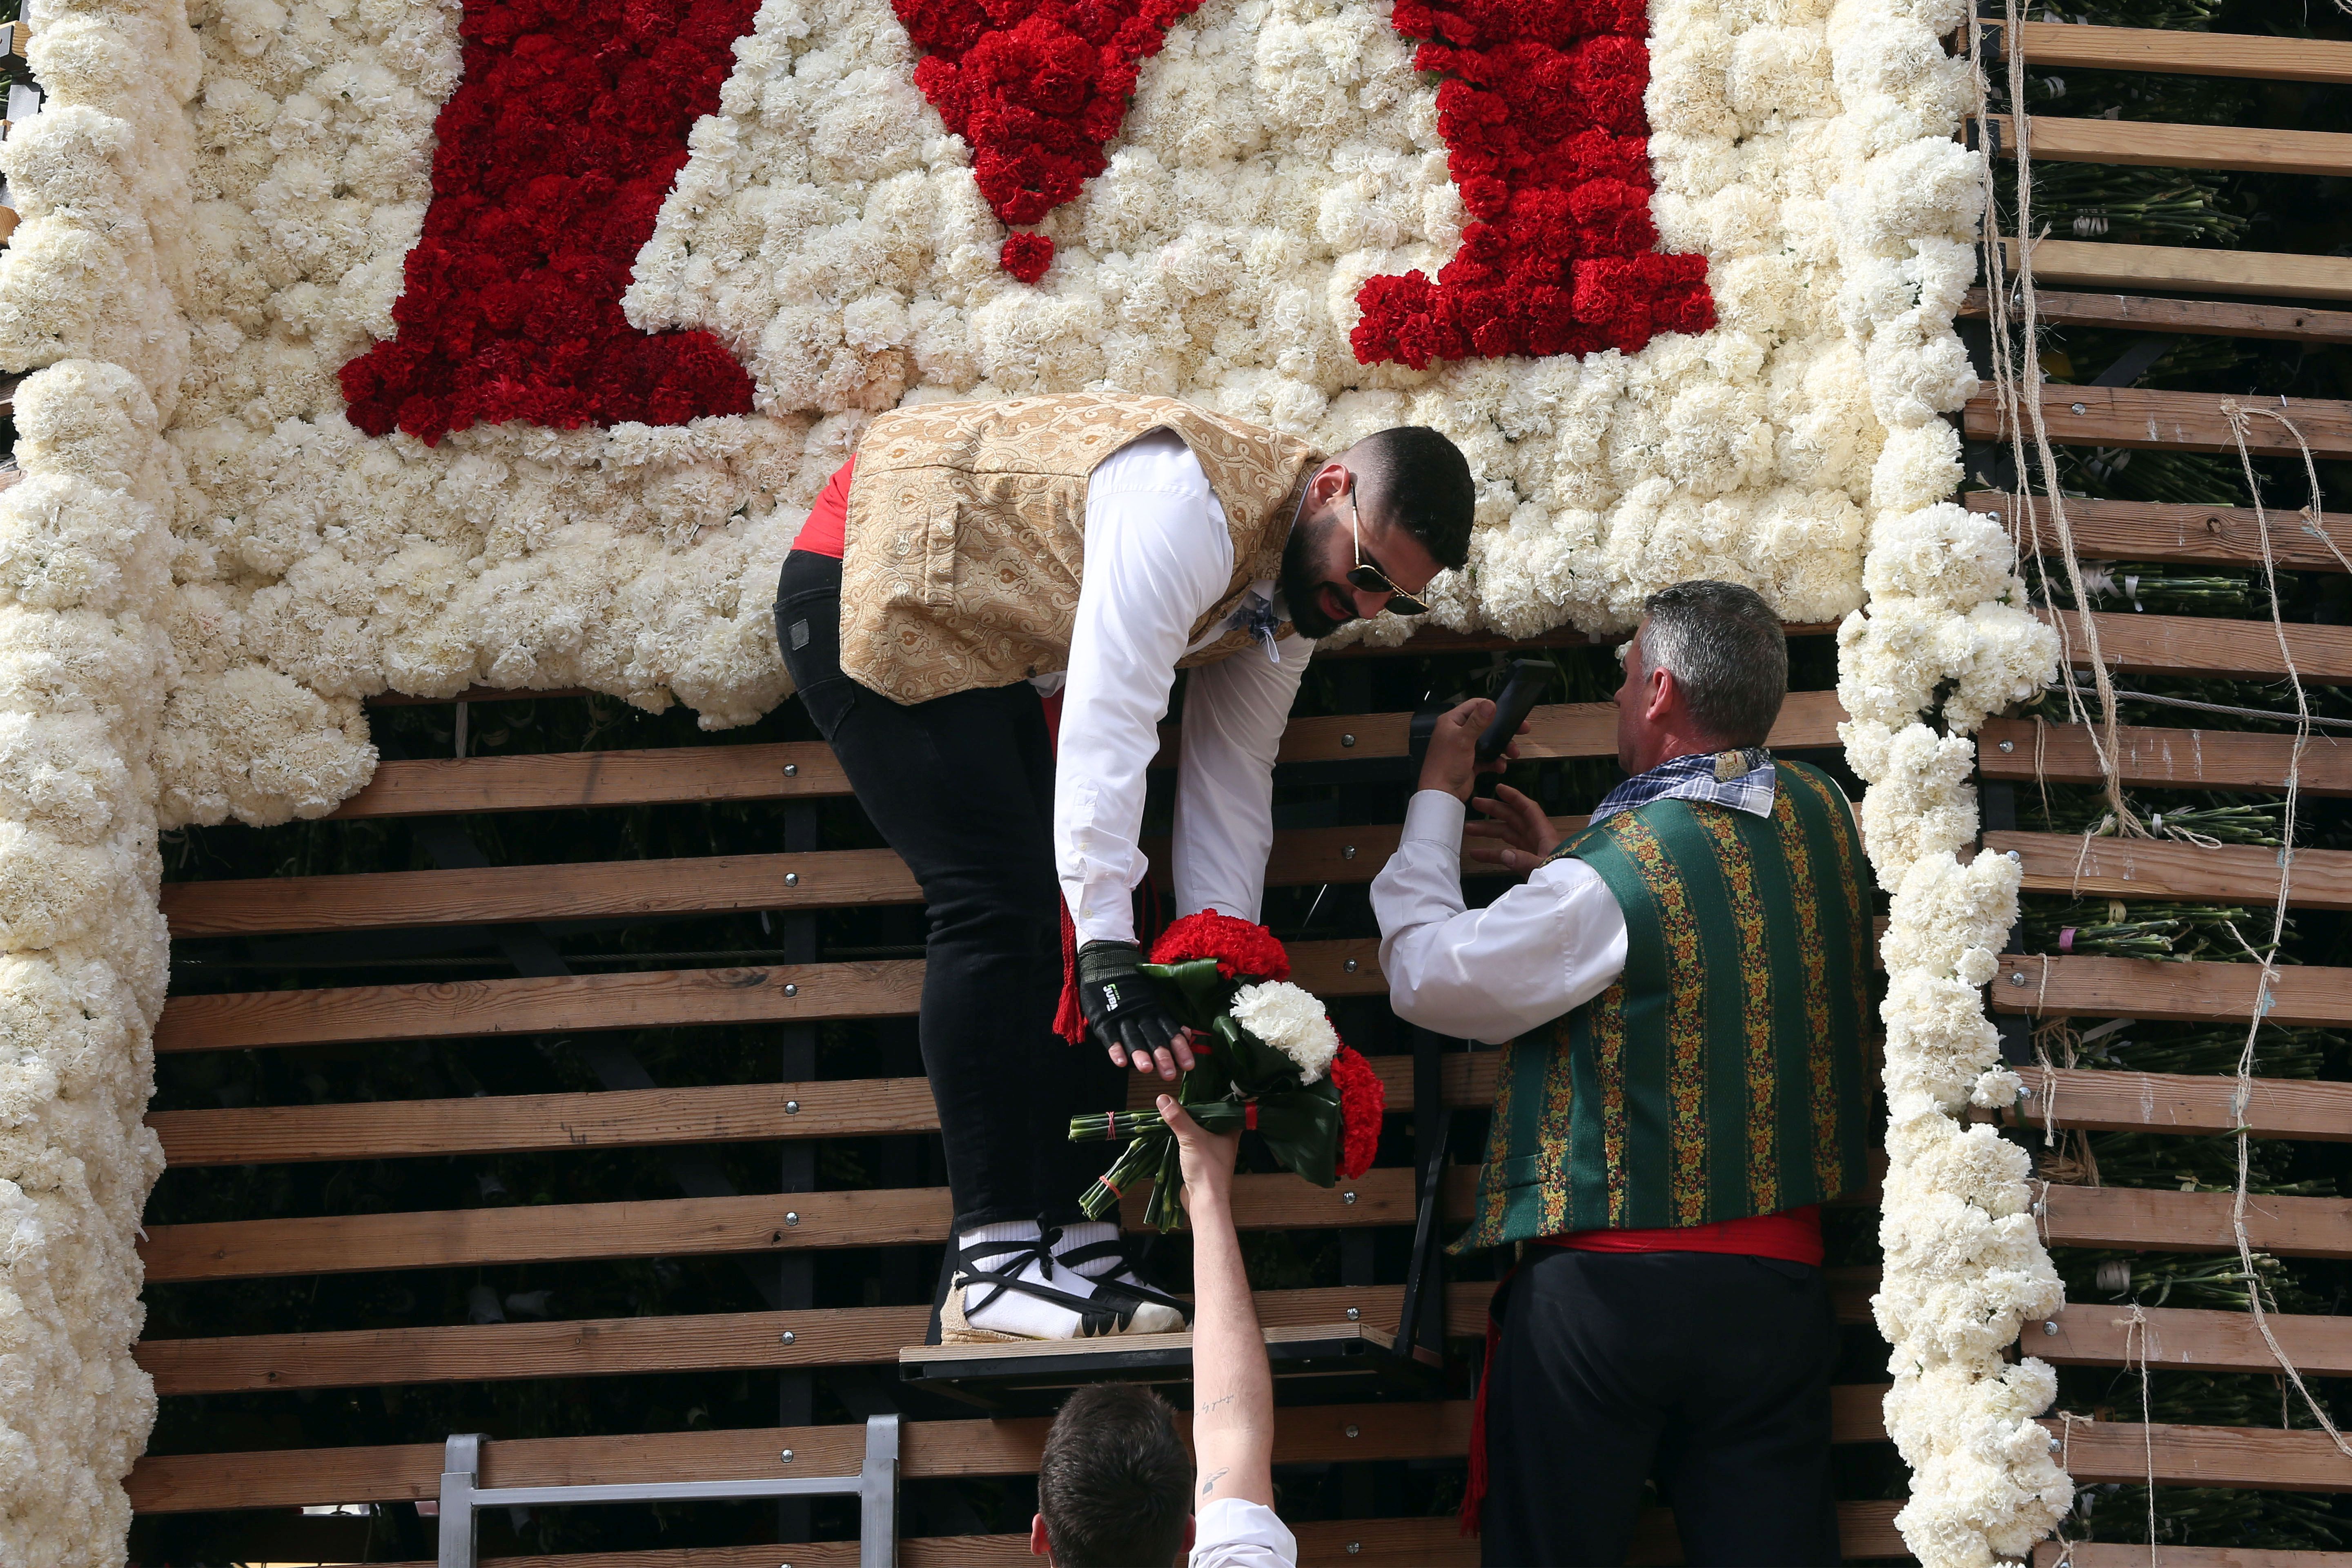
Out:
{"x": 1291, "y": 1021}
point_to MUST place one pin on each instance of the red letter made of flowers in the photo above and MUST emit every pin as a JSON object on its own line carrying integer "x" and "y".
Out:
{"x": 1549, "y": 144}
{"x": 553, "y": 157}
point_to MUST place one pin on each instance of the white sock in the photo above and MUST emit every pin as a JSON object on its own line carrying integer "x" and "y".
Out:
{"x": 1087, "y": 1233}
{"x": 1018, "y": 1312}
{"x": 1151, "y": 1318}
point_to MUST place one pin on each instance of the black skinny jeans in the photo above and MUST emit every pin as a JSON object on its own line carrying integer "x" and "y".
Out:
{"x": 962, "y": 787}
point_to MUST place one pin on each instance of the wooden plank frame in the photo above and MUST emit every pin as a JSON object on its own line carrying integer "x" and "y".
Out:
{"x": 2182, "y": 53}
{"x": 2081, "y": 986}
{"x": 2027, "y": 751}
{"x": 2137, "y": 416}
{"x": 2112, "y": 1101}
{"x": 2197, "y": 645}
{"x": 2155, "y": 531}
{"x": 2097, "y": 264}
{"x": 2148, "y": 143}
{"x": 2178, "y": 1339}
{"x": 2164, "y": 869}
{"x": 2156, "y": 314}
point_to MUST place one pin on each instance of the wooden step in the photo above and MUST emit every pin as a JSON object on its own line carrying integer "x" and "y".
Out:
{"x": 2137, "y": 416}
{"x": 2175, "y": 1338}
{"x": 2159, "y": 1221}
{"x": 637, "y": 1118}
{"x": 929, "y": 1450}
{"x": 2114, "y": 1101}
{"x": 603, "y": 1347}
{"x": 680, "y": 1227}
{"x": 2084, "y": 47}
{"x": 2096, "y": 264}
{"x": 2156, "y": 530}
{"x": 2162, "y": 144}
{"x": 2025, "y": 751}
{"x": 2151, "y": 869}
{"x": 803, "y": 993}
{"x": 809, "y": 771}
{"x": 818, "y": 880}
{"x": 2081, "y": 986}
{"x": 2147, "y": 313}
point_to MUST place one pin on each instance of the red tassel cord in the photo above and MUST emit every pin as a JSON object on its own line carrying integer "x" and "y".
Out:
{"x": 1474, "y": 1494}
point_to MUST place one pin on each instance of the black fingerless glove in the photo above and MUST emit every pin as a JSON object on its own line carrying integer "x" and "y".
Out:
{"x": 1120, "y": 1005}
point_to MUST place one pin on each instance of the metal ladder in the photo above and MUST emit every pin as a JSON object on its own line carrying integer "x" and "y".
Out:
{"x": 875, "y": 1487}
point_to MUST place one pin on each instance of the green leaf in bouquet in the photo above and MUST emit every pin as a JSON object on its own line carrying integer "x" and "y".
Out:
{"x": 1257, "y": 1068}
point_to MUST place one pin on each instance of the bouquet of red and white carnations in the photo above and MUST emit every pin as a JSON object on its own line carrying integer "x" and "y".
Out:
{"x": 1267, "y": 1059}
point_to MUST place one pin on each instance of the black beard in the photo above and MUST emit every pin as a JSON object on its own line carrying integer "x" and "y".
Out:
{"x": 1302, "y": 590}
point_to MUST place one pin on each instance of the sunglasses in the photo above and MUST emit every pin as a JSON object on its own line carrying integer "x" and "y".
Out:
{"x": 1369, "y": 578}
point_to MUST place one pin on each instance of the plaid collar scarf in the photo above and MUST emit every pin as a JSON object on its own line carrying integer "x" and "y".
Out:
{"x": 1745, "y": 780}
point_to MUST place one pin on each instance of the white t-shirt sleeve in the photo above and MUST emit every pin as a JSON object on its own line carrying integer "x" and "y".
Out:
{"x": 1158, "y": 556}
{"x": 1233, "y": 1533}
{"x": 1544, "y": 948}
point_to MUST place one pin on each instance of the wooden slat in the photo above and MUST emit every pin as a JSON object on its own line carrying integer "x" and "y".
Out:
{"x": 685, "y": 775}
{"x": 2097, "y": 1555}
{"x": 2154, "y": 530}
{"x": 637, "y": 1118}
{"x": 2163, "y": 145}
{"x": 807, "y": 993}
{"x": 2184, "y": 1102}
{"x": 706, "y": 1341}
{"x": 2196, "y": 645}
{"x": 929, "y": 1450}
{"x": 2192, "y": 1222}
{"x": 2184, "y": 53}
{"x": 846, "y": 1336}
{"x": 2163, "y": 758}
{"x": 827, "y": 878}
{"x": 342, "y": 1244}
{"x": 2174, "y": 421}
{"x": 2166, "y": 868}
{"x": 2086, "y": 987}
{"x": 2094, "y": 264}
{"x": 1866, "y": 1529}
{"x": 2262, "y": 1459}
{"x": 2147, "y": 313}
{"x": 665, "y": 775}
{"x": 2175, "y": 1339}
{"x": 338, "y": 1244}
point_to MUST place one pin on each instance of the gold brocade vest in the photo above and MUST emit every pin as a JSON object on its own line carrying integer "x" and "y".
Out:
{"x": 967, "y": 532}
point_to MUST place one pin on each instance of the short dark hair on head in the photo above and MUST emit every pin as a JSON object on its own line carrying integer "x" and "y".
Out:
{"x": 1420, "y": 481}
{"x": 1726, "y": 647}
{"x": 1114, "y": 1485}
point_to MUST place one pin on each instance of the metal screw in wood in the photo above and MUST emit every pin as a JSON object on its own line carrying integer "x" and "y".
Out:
{"x": 1347, "y": 740}
{"x": 790, "y": 989}
{"x": 785, "y": 1338}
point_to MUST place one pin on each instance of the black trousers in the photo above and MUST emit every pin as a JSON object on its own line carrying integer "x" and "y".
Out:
{"x": 962, "y": 787}
{"x": 1708, "y": 1372}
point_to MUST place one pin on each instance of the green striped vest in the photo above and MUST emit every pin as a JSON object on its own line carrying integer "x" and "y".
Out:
{"x": 1722, "y": 1076}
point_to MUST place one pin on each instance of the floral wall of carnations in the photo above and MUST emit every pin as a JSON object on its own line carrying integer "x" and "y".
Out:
{"x": 412, "y": 345}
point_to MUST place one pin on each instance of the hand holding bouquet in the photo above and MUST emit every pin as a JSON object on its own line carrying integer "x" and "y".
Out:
{"x": 1266, "y": 1060}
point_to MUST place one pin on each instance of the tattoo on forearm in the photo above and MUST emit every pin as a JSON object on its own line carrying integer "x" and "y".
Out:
{"x": 1211, "y": 1484}
{"x": 1221, "y": 1399}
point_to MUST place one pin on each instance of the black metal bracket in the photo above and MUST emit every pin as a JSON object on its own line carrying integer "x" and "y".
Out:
{"x": 1421, "y": 1324}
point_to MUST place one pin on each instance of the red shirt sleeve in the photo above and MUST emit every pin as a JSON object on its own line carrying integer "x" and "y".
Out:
{"x": 828, "y": 520}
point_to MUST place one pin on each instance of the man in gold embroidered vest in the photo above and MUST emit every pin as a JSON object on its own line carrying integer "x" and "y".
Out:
{"x": 1683, "y": 985}
{"x": 976, "y": 555}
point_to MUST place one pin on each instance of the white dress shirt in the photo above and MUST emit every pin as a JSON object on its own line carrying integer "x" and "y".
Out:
{"x": 1157, "y": 558}
{"x": 1234, "y": 1533}
{"x": 1549, "y": 945}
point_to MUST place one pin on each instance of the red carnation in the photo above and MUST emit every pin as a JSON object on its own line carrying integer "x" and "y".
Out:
{"x": 1363, "y": 1101}
{"x": 1548, "y": 142}
{"x": 1244, "y": 951}
{"x": 1026, "y": 256}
